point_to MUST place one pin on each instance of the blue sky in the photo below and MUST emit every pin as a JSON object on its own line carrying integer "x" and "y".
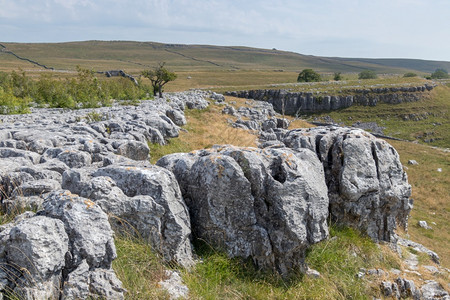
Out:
{"x": 345, "y": 28}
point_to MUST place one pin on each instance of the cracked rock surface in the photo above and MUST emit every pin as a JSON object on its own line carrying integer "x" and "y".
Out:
{"x": 367, "y": 186}
{"x": 268, "y": 205}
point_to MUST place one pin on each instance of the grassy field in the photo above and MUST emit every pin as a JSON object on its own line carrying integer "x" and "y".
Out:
{"x": 135, "y": 56}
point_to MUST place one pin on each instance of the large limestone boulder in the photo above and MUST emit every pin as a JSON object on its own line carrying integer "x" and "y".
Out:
{"x": 63, "y": 251}
{"x": 35, "y": 249}
{"x": 141, "y": 199}
{"x": 267, "y": 205}
{"x": 367, "y": 186}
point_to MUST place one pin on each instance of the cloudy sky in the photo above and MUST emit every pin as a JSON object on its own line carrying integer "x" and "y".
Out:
{"x": 346, "y": 28}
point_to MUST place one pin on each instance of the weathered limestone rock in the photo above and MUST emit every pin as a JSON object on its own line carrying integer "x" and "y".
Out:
{"x": 36, "y": 248}
{"x": 141, "y": 198}
{"x": 407, "y": 288}
{"x": 367, "y": 186}
{"x": 268, "y": 205}
{"x": 42, "y": 254}
{"x": 174, "y": 286}
{"x": 390, "y": 289}
{"x": 419, "y": 248}
{"x": 433, "y": 290}
{"x": 156, "y": 207}
{"x": 87, "y": 226}
{"x": 74, "y": 158}
{"x": 134, "y": 150}
{"x": 176, "y": 116}
{"x": 17, "y": 153}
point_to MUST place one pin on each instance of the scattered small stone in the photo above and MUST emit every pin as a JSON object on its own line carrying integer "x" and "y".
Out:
{"x": 412, "y": 162}
{"x": 175, "y": 286}
{"x": 424, "y": 225}
{"x": 432, "y": 269}
{"x": 413, "y": 272}
{"x": 439, "y": 170}
{"x": 396, "y": 271}
{"x": 312, "y": 273}
{"x": 375, "y": 272}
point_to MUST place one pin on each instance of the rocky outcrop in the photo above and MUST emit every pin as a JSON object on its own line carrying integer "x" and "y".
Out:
{"x": 86, "y": 172}
{"x": 268, "y": 205}
{"x": 294, "y": 103}
{"x": 367, "y": 186}
{"x": 258, "y": 117}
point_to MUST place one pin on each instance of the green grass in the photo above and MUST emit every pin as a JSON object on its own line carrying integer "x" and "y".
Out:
{"x": 139, "y": 269}
{"x": 338, "y": 260}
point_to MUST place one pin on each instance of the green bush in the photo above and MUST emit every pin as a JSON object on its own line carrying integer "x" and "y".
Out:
{"x": 308, "y": 75}
{"x": 10, "y": 104}
{"x": 337, "y": 76}
{"x": 440, "y": 74}
{"x": 410, "y": 74}
{"x": 125, "y": 89}
{"x": 367, "y": 74}
{"x": 84, "y": 91}
{"x": 87, "y": 91}
{"x": 53, "y": 93}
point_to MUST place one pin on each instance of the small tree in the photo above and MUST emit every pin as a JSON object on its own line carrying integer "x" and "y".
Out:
{"x": 159, "y": 76}
{"x": 440, "y": 74}
{"x": 308, "y": 75}
{"x": 337, "y": 76}
{"x": 367, "y": 74}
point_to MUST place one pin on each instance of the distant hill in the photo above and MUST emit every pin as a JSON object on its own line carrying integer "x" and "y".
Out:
{"x": 134, "y": 56}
